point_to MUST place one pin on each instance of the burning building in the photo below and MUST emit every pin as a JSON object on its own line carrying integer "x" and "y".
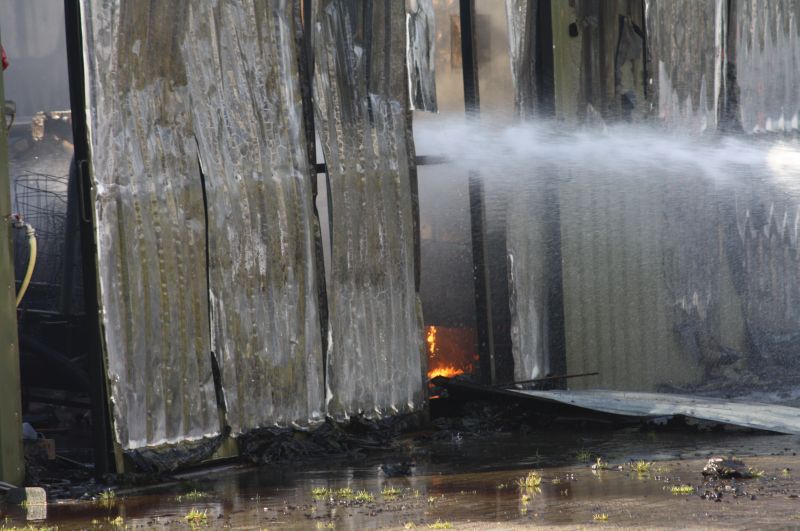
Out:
{"x": 257, "y": 224}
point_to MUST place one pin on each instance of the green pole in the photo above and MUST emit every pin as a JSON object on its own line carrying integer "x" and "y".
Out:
{"x": 12, "y": 468}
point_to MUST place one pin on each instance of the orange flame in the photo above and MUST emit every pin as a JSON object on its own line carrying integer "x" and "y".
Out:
{"x": 447, "y": 372}
{"x": 450, "y": 351}
{"x": 431, "y": 339}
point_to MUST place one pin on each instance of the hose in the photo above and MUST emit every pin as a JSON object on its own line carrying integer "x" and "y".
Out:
{"x": 30, "y": 232}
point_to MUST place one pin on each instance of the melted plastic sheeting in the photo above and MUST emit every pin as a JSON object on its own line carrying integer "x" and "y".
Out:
{"x": 150, "y": 224}
{"x": 421, "y": 54}
{"x": 242, "y": 59}
{"x": 521, "y": 15}
{"x": 376, "y": 348}
{"x": 768, "y": 64}
{"x": 685, "y": 40}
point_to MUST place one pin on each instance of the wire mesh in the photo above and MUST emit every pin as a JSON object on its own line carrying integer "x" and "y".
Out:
{"x": 42, "y": 200}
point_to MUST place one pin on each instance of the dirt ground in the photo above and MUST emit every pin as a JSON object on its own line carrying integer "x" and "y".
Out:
{"x": 654, "y": 480}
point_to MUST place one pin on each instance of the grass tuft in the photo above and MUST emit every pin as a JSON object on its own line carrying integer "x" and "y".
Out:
{"x": 438, "y": 524}
{"x": 196, "y": 517}
{"x": 682, "y": 490}
{"x": 531, "y": 481}
{"x": 192, "y": 495}
{"x": 321, "y": 492}
{"x": 390, "y": 492}
{"x": 363, "y": 496}
{"x": 641, "y": 466}
{"x": 107, "y": 498}
{"x": 600, "y": 517}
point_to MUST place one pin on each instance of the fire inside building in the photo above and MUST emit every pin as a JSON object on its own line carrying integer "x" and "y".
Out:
{"x": 226, "y": 218}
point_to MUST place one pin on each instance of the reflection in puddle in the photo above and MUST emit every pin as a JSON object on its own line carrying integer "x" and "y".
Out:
{"x": 465, "y": 483}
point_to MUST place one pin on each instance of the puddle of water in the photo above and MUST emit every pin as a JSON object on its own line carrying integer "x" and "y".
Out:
{"x": 471, "y": 483}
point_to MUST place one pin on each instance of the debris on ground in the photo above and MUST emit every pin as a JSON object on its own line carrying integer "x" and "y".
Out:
{"x": 728, "y": 468}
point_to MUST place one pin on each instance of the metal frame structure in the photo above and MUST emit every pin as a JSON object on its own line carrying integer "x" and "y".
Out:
{"x": 12, "y": 466}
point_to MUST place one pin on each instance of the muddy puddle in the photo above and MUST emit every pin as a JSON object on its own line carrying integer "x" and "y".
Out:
{"x": 472, "y": 483}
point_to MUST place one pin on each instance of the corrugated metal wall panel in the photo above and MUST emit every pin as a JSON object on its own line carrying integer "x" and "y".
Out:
{"x": 768, "y": 48}
{"x": 150, "y": 224}
{"x": 376, "y": 349}
{"x": 421, "y": 55}
{"x": 686, "y": 42}
{"x": 617, "y": 304}
{"x": 521, "y": 16}
{"x": 245, "y": 98}
{"x": 526, "y": 246}
{"x": 650, "y": 299}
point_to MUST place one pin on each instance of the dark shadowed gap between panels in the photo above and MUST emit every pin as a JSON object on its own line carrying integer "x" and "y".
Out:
{"x": 101, "y": 428}
{"x": 303, "y": 31}
{"x": 480, "y": 269}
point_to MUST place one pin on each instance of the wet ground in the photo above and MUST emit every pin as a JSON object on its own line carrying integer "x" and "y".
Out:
{"x": 472, "y": 483}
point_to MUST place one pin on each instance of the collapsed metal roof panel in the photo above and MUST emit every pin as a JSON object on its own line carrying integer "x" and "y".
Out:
{"x": 769, "y": 417}
{"x": 608, "y": 405}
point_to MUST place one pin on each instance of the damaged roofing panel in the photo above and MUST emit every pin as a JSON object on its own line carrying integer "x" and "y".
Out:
{"x": 607, "y": 405}
{"x": 421, "y": 51}
{"x": 245, "y": 98}
{"x": 768, "y": 64}
{"x": 150, "y": 224}
{"x": 769, "y": 417}
{"x": 374, "y": 362}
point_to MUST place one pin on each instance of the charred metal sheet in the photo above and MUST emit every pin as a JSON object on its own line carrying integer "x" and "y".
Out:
{"x": 421, "y": 54}
{"x": 625, "y": 406}
{"x": 150, "y": 224}
{"x": 243, "y": 83}
{"x": 374, "y": 362}
{"x": 768, "y": 417}
{"x": 767, "y": 64}
{"x": 686, "y": 42}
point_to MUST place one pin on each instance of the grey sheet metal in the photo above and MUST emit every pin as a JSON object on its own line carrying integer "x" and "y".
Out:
{"x": 241, "y": 67}
{"x": 782, "y": 419}
{"x": 374, "y": 362}
{"x": 150, "y": 224}
{"x": 768, "y": 64}
{"x": 526, "y": 243}
{"x": 521, "y": 16}
{"x": 685, "y": 41}
{"x": 421, "y": 54}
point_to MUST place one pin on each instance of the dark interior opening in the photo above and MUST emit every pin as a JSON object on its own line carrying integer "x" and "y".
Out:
{"x": 63, "y": 395}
